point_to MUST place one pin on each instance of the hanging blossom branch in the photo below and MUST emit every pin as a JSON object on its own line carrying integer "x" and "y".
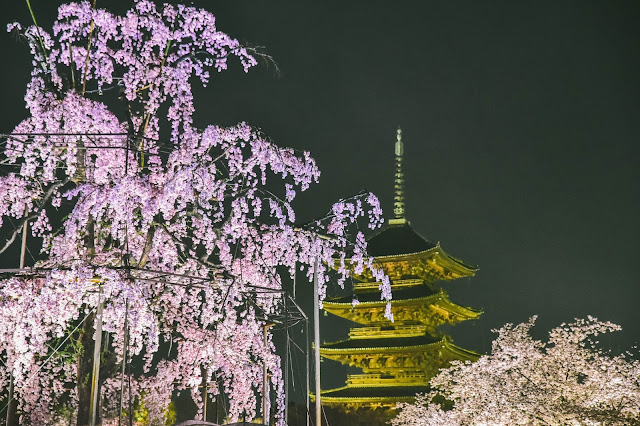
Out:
{"x": 194, "y": 206}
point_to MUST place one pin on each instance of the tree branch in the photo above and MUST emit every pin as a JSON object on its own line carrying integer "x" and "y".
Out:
{"x": 147, "y": 246}
{"x": 17, "y": 231}
{"x": 33, "y": 215}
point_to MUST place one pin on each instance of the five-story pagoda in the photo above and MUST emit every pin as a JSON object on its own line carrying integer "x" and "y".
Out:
{"x": 398, "y": 359}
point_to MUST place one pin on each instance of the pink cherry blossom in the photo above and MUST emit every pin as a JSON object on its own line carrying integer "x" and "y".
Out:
{"x": 181, "y": 230}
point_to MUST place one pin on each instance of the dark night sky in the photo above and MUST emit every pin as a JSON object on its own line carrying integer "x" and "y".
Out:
{"x": 520, "y": 122}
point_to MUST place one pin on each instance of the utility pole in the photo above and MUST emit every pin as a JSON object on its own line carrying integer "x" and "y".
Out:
{"x": 316, "y": 339}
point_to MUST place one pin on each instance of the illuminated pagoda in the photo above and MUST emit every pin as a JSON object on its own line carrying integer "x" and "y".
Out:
{"x": 398, "y": 359}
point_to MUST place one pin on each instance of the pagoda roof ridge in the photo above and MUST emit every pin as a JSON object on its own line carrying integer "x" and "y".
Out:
{"x": 474, "y": 268}
{"x": 462, "y": 351}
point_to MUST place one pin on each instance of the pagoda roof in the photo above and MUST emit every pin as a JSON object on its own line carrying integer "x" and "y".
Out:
{"x": 405, "y": 255}
{"x": 434, "y": 309}
{"x": 395, "y": 345}
{"x": 370, "y": 396}
{"x": 386, "y": 343}
{"x": 374, "y": 391}
{"x": 414, "y": 292}
{"x": 396, "y": 240}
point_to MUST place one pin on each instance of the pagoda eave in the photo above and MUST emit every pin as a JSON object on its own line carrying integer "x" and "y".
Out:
{"x": 329, "y": 306}
{"x": 389, "y": 349}
{"x": 432, "y": 310}
{"x": 458, "y": 264}
{"x": 369, "y": 397}
{"x": 444, "y": 344}
{"x": 431, "y": 265}
{"x": 380, "y": 303}
{"x": 362, "y": 402}
{"x": 382, "y": 349}
{"x": 400, "y": 359}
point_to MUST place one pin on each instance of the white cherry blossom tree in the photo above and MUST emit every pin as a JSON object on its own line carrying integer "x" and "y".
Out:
{"x": 567, "y": 380}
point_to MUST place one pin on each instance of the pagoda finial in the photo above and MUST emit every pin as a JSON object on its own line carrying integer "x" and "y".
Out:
{"x": 398, "y": 200}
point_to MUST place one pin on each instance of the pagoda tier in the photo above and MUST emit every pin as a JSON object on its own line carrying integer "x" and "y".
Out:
{"x": 397, "y": 355}
{"x": 354, "y": 397}
{"x": 402, "y": 253}
{"x": 416, "y": 305}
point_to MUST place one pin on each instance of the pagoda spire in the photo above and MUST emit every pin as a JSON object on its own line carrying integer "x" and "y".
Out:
{"x": 398, "y": 200}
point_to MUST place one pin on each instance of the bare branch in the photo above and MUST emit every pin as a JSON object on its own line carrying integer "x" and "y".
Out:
{"x": 147, "y": 246}
{"x": 17, "y": 231}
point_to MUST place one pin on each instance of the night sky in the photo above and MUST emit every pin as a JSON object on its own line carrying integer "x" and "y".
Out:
{"x": 520, "y": 122}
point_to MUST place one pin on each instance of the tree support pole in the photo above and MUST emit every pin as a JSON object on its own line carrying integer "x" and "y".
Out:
{"x": 205, "y": 388}
{"x": 124, "y": 359}
{"x": 316, "y": 339}
{"x": 12, "y": 405}
{"x": 23, "y": 247}
{"x": 295, "y": 272}
{"x": 286, "y": 359}
{"x": 95, "y": 376}
{"x": 307, "y": 346}
{"x": 265, "y": 381}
